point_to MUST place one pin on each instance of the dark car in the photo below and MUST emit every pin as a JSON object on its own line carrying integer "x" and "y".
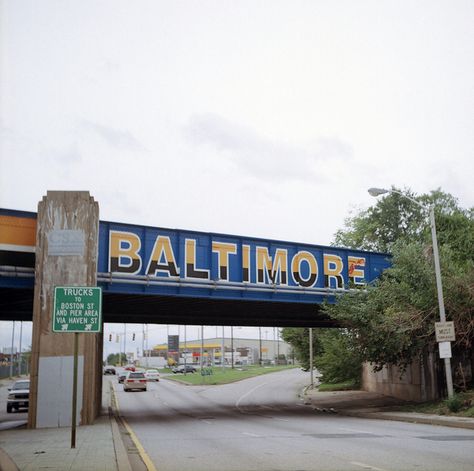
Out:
{"x": 109, "y": 370}
{"x": 183, "y": 368}
{"x": 122, "y": 376}
{"x": 19, "y": 395}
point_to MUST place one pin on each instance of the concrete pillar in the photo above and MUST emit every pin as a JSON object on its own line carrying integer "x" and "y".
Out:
{"x": 66, "y": 255}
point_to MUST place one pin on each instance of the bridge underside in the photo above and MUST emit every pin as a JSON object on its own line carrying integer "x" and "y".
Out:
{"x": 17, "y": 304}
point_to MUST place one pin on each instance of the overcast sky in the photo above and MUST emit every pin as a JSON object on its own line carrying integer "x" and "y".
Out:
{"x": 255, "y": 118}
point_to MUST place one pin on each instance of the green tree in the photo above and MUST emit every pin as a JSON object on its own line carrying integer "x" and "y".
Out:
{"x": 298, "y": 338}
{"x": 392, "y": 321}
{"x": 116, "y": 359}
{"x": 338, "y": 361}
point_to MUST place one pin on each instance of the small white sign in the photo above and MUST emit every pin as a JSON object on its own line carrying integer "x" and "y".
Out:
{"x": 445, "y": 331}
{"x": 445, "y": 349}
{"x": 66, "y": 242}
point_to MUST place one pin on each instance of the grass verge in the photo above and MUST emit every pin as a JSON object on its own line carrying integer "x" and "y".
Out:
{"x": 442, "y": 407}
{"x": 228, "y": 375}
{"x": 344, "y": 386}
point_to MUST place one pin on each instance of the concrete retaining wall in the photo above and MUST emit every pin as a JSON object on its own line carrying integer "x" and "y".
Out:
{"x": 418, "y": 383}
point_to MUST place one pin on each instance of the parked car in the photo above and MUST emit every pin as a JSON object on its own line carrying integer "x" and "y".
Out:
{"x": 122, "y": 376}
{"x": 134, "y": 380}
{"x": 109, "y": 370}
{"x": 19, "y": 395}
{"x": 183, "y": 368}
{"x": 152, "y": 375}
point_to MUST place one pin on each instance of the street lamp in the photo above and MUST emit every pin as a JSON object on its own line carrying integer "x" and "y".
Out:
{"x": 439, "y": 286}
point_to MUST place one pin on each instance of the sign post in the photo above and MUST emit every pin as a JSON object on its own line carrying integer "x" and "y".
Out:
{"x": 77, "y": 309}
{"x": 444, "y": 336}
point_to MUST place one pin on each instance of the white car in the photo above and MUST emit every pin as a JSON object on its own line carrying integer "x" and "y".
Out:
{"x": 152, "y": 375}
{"x": 134, "y": 380}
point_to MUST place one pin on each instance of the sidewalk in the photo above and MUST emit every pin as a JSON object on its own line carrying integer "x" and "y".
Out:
{"x": 99, "y": 447}
{"x": 376, "y": 406}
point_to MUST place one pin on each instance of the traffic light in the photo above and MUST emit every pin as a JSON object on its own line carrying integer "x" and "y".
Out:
{"x": 110, "y": 337}
{"x": 133, "y": 337}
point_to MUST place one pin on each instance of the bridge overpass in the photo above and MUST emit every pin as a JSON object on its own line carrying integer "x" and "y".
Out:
{"x": 174, "y": 276}
{"x": 152, "y": 275}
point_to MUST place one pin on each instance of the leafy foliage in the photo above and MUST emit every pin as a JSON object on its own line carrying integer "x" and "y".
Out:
{"x": 392, "y": 321}
{"x": 298, "y": 338}
{"x": 338, "y": 361}
{"x": 117, "y": 359}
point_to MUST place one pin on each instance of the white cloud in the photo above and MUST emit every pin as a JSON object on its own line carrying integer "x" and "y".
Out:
{"x": 262, "y": 157}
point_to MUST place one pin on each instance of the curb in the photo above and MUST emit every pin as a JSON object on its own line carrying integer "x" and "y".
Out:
{"x": 414, "y": 419}
{"x": 121, "y": 455}
{"x": 6, "y": 463}
{"x": 378, "y": 414}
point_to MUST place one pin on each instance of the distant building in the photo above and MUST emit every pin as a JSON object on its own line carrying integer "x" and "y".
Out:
{"x": 241, "y": 351}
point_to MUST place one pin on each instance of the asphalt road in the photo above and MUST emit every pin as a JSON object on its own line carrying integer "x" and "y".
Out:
{"x": 261, "y": 424}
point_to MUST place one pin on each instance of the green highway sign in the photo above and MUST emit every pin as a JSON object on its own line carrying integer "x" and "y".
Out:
{"x": 77, "y": 309}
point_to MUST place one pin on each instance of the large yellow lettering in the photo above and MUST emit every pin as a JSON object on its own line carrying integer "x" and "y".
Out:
{"x": 272, "y": 268}
{"x": 298, "y": 259}
{"x": 190, "y": 257}
{"x": 333, "y": 271}
{"x": 123, "y": 252}
{"x": 356, "y": 275}
{"x": 223, "y": 251}
{"x": 162, "y": 259}
{"x": 246, "y": 263}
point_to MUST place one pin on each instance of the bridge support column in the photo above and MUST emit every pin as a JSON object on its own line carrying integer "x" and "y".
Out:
{"x": 66, "y": 255}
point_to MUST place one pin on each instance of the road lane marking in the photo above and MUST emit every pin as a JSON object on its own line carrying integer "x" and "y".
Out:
{"x": 141, "y": 451}
{"x": 367, "y": 466}
{"x": 250, "y": 434}
{"x": 237, "y": 403}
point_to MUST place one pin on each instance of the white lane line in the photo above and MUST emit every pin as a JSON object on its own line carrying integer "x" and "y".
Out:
{"x": 250, "y": 434}
{"x": 357, "y": 430}
{"x": 237, "y": 403}
{"x": 367, "y": 466}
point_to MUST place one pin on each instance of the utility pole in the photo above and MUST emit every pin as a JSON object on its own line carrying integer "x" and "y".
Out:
{"x": 311, "y": 356}
{"x": 147, "y": 347}
{"x": 125, "y": 342}
{"x": 19, "y": 363}
{"x": 11, "y": 351}
{"x": 232, "y": 346}
{"x": 202, "y": 346}
{"x": 223, "y": 349}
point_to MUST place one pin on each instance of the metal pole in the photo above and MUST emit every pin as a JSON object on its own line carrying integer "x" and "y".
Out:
{"x": 202, "y": 346}
{"x": 143, "y": 341}
{"x": 74, "y": 393}
{"x": 185, "y": 350}
{"x": 125, "y": 343}
{"x": 439, "y": 287}
{"x": 21, "y": 333}
{"x": 278, "y": 344}
{"x": 311, "y": 356}
{"x": 11, "y": 351}
{"x": 223, "y": 349}
{"x": 273, "y": 349}
{"x": 147, "y": 346}
{"x": 232, "y": 346}
{"x": 260, "y": 346}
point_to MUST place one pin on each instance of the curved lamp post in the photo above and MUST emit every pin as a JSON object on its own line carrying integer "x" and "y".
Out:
{"x": 439, "y": 286}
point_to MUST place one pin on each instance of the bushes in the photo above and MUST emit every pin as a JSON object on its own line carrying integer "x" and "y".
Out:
{"x": 338, "y": 362}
